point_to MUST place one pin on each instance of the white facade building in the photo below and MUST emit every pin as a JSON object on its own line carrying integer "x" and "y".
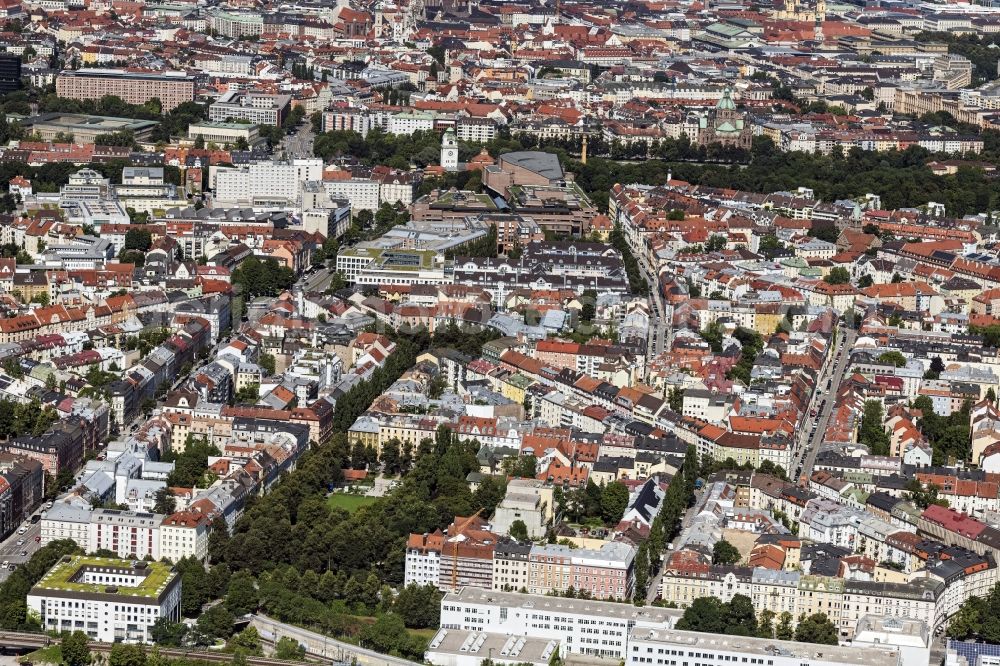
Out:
{"x": 128, "y": 534}
{"x": 109, "y": 600}
{"x": 666, "y": 647}
{"x": 279, "y": 182}
{"x": 588, "y": 627}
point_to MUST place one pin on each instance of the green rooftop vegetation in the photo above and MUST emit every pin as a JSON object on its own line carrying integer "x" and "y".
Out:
{"x": 466, "y": 198}
{"x": 62, "y": 575}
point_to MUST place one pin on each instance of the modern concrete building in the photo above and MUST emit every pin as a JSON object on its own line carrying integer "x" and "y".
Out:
{"x": 254, "y": 107}
{"x": 226, "y": 134}
{"x": 667, "y": 647}
{"x": 110, "y": 600}
{"x": 83, "y": 128}
{"x": 585, "y": 626}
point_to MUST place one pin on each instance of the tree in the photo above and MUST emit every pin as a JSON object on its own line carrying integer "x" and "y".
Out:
{"x": 817, "y": 628}
{"x": 241, "y": 597}
{"x": 991, "y": 396}
{"x": 784, "y": 632}
{"x": 387, "y": 634}
{"x": 872, "y": 432}
{"x": 489, "y": 494}
{"x": 138, "y": 239}
{"x": 266, "y": 362}
{"x": 614, "y": 500}
{"x": 715, "y": 243}
{"x": 216, "y": 622}
{"x": 218, "y": 539}
{"x": 675, "y": 399}
{"x": 390, "y": 457}
{"x": 419, "y": 606}
{"x": 518, "y": 530}
{"x": 724, "y": 552}
{"x": 123, "y": 654}
{"x": 893, "y": 358}
{"x": 246, "y": 642}
{"x": 75, "y": 649}
{"x": 165, "y": 502}
{"x": 705, "y": 614}
{"x": 168, "y": 633}
{"x": 865, "y": 281}
{"x": 838, "y": 275}
{"x": 289, "y": 649}
{"x": 765, "y": 627}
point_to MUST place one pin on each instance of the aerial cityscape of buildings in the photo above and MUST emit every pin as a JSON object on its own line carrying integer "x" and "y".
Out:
{"x": 664, "y": 333}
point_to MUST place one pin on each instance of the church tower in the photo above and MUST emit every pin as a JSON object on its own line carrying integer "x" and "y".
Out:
{"x": 449, "y": 150}
{"x": 820, "y": 18}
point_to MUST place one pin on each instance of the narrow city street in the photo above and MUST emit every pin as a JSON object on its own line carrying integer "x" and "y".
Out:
{"x": 824, "y": 398}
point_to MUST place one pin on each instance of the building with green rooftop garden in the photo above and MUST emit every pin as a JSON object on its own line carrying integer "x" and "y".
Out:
{"x": 110, "y": 600}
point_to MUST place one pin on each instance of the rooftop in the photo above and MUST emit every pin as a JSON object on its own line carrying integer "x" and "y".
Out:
{"x": 66, "y": 573}
{"x": 536, "y": 602}
{"x": 790, "y": 650}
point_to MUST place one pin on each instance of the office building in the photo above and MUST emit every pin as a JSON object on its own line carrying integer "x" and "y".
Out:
{"x": 267, "y": 182}
{"x": 256, "y": 108}
{"x": 112, "y": 601}
{"x": 667, "y": 647}
{"x": 10, "y": 72}
{"x": 171, "y": 88}
{"x": 585, "y": 626}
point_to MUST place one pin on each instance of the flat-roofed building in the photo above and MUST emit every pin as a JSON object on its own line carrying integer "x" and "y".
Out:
{"x": 253, "y": 107}
{"x": 226, "y": 134}
{"x": 112, "y": 601}
{"x": 668, "y": 647}
{"x": 85, "y": 128}
{"x": 171, "y": 88}
{"x": 585, "y": 626}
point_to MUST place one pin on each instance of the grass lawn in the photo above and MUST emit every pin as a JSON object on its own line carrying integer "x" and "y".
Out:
{"x": 426, "y": 634}
{"x": 350, "y": 502}
{"x": 51, "y": 654}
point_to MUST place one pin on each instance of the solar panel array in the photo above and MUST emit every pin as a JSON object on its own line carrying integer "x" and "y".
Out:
{"x": 973, "y": 651}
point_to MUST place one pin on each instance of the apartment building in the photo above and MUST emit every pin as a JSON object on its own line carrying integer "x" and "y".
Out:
{"x": 125, "y": 533}
{"x": 171, "y": 88}
{"x": 184, "y": 534}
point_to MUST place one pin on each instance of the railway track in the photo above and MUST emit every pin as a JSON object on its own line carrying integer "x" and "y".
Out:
{"x": 13, "y": 639}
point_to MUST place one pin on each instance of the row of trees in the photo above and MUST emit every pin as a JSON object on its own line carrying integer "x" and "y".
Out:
{"x": 636, "y": 278}
{"x": 738, "y": 618}
{"x": 14, "y": 591}
{"x": 948, "y": 435}
{"x": 899, "y": 177}
{"x": 978, "y": 618}
{"x": 667, "y": 524}
{"x": 872, "y": 432}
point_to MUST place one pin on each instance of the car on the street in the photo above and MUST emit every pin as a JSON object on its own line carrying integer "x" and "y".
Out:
{"x": 20, "y": 542}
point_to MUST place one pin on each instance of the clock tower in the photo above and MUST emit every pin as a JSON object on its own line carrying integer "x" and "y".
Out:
{"x": 449, "y": 150}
